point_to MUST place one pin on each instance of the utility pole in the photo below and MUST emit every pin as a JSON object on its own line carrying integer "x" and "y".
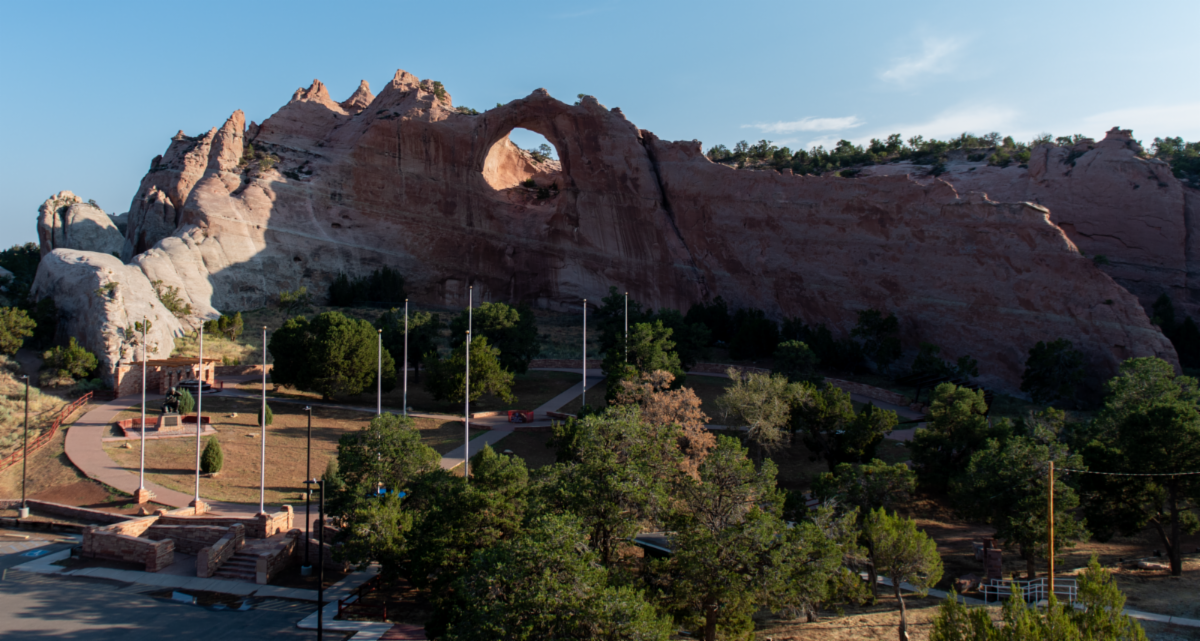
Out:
{"x": 1050, "y": 526}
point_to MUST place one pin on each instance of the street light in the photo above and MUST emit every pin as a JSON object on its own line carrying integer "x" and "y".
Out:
{"x": 320, "y": 559}
{"x": 24, "y": 511}
{"x": 306, "y": 569}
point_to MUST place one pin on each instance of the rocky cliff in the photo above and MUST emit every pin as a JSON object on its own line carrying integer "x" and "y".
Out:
{"x": 402, "y": 179}
{"x": 1110, "y": 201}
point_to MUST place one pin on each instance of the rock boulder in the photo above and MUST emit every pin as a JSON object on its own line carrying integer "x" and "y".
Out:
{"x": 66, "y": 222}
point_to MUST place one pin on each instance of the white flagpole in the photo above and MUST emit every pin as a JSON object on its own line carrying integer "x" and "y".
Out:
{"x": 199, "y": 410}
{"x": 467, "y": 416}
{"x": 406, "y": 357}
{"x": 379, "y": 378}
{"x": 142, "y": 475}
{"x": 584, "y": 396}
{"x": 262, "y": 466}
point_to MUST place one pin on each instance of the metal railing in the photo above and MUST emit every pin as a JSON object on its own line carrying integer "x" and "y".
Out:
{"x": 1032, "y": 590}
{"x": 45, "y": 436}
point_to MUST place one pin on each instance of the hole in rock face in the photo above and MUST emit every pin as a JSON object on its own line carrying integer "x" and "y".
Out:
{"x": 525, "y": 167}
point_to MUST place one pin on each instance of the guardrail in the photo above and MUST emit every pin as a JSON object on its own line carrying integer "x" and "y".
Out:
{"x": 45, "y": 437}
{"x": 1032, "y": 590}
{"x": 354, "y": 600}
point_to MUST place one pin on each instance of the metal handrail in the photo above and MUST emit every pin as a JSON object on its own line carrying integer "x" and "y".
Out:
{"x": 1032, "y": 590}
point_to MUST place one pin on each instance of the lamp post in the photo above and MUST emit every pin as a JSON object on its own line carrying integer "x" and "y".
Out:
{"x": 320, "y": 557}
{"x": 405, "y": 364}
{"x": 306, "y": 569}
{"x": 583, "y": 398}
{"x": 467, "y": 416}
{"x": 142, "y": 475}
{"x": 24, "y": 511}
{"x": 199, "y": 413}
{"x": 262, "y": 465}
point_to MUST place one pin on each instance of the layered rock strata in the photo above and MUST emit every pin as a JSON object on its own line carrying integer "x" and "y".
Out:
{"x": 402, "y": 179}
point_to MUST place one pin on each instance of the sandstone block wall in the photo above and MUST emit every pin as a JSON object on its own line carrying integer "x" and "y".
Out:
{"x": 209, "y": 559}
{"x": 268, "y": 564}
{"x": 257, "y": 527}
{"x": 189, "y": 539}
{"x": 122, "y": 542}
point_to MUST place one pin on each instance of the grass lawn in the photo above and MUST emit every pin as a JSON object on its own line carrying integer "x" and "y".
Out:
{"x": 171, "y": 462}
{"x": 530, "y": 446}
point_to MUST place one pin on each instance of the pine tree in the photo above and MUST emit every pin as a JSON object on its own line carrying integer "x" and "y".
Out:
{"x": 212, "y": 458}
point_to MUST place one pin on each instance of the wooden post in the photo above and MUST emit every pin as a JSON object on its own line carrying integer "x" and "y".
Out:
{"x": 1050, "y": 525}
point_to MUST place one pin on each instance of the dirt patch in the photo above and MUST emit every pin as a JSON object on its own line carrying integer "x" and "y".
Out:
{"x": 171, "y": 462}
{"x": 878, "y": 621}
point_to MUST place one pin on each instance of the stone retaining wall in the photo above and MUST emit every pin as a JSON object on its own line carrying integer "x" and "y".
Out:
{"x": 121, "y": 542}
{"x": 260, "y": 526}
{"x": 241, "y": 370}
{"x": 209, "y": 559}
{"x": 189, "y": 539}
{"x": 69, "y": 511}
{"x": 870, "y": 391}
{"x": 271, "y": 563}
{"x": 314, "y": 551}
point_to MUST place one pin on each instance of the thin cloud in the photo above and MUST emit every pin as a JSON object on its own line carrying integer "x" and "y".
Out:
{"x": 808, "y": 124}
{"x": 976, "y": 119}
{"x": 934, "y": 58}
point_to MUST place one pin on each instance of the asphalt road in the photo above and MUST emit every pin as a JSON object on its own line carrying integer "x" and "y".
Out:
{"x": 36, "y": 606}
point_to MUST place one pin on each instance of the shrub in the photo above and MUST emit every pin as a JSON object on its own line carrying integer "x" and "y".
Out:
{"x": 212, "y": 459}
{"x": 270, "y": 416}
{"x": 228, "y": 326}
{"x": 187, "y": 402}
{"x": 295, "y": 300}
{"x": 797, "y": 362}
{"x": 70, "y": 361}
{"x": 169, "y": 296}
{"x": 15, "y": 327}
{"x": 384, "y": 285}
{"x": 332, "y": 354}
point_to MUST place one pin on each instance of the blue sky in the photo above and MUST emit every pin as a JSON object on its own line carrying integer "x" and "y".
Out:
{"x": 93, "y": 91}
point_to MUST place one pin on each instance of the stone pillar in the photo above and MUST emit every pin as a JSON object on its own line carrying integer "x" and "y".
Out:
{"x": 142, "y": 495}
{"x": 200, "y": 507}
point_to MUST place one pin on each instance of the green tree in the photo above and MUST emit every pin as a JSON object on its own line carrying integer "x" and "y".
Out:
{"x": 615, "y": 478}
{"x": 733, "y": 554}
{"x": 1150, "y": 424}
{"x": 691, "y": 339}
{"x": 756, "y": 335}
{"x": 957, "y": 428}
{"x": 1052, "y": 372}
{"x": 454, "y": 519}
{"x": 650, "y": 349}
{"x": 384, "y": 285}
{"x": 928, "y": 361}
{"x": 834, "y": 433}
{"x": 230, "y": 327}
{"x": 904, "y": 554}
{"x": 880, "y": 336}
{"x": 797, "y": 362}
{"x": 187, "y": 402}
{"x": 714, "y": 316}
{"x": 547, "y": 584}
{"x": 422, "y": 334}
{"x": 69, "y": 361}
{"x": 1006, "y": 485}
{"x": 1096, "y": 615}
{"x": 864, "y": 488}
{"x": 763, "y": 403}
{"x": 15, "y": 327}
{"x": 332, "y": 355}
{"x": 386, "y": 453}
{"x": 512, "y": 330}
{"x": 270, "y": 416}
{"x": 609, "y": 319}
{"x": 213, "y": 458}
{"x": 447, "y": 378}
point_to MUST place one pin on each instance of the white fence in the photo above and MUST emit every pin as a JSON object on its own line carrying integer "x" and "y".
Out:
{"x": 1034, "y": 590}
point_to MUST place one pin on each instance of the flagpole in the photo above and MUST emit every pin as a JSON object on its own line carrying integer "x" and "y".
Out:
{"x": 467, "y": 416}
{"x": 262, "y": 465}
{"x": 199, "y": 410}
{"x": 142, "y": 475}
{"x": 379, "y": 378}
{"x": 406, "y": 357}
{"x": 583, "y": 398}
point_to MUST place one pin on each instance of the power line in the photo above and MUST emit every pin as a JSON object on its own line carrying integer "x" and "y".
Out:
{"x": 1128, "y": 473}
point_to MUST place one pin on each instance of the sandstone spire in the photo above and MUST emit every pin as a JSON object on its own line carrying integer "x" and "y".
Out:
{"x": 360, "y": 98}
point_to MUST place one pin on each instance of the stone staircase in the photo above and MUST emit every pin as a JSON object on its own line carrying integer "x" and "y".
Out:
{"x": 240, "y": 567}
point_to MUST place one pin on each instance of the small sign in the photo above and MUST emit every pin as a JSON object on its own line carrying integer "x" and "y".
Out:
{"x": 35, "y": 553}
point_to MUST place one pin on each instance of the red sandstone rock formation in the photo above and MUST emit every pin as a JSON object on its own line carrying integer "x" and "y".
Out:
{"x": 1110, "y": 202}
{"x": 402, "y": 179}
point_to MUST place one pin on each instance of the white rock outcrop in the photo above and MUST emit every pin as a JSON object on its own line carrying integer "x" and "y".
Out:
{"x": 66, "y": 222}
{"x": 98, "y": 298}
